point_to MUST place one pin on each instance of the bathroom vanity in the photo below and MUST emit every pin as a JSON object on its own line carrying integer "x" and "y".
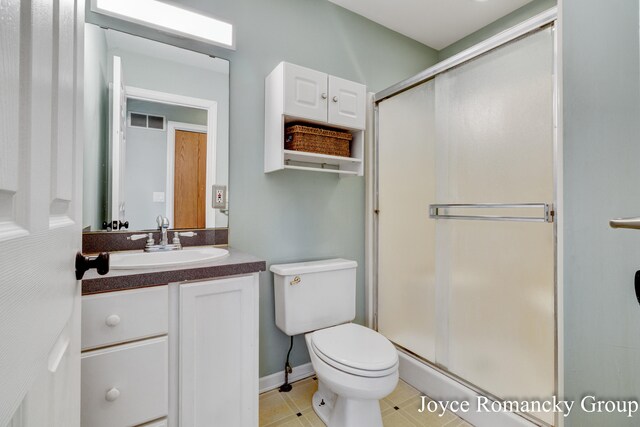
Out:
{"x": 170, "y": 346}
{"x": 175, "y": 346}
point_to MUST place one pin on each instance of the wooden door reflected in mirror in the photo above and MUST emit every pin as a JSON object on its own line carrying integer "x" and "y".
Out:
{"x": 190, "y": 179}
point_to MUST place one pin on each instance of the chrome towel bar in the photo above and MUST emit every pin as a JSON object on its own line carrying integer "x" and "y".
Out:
{"x": 545, "y": 216}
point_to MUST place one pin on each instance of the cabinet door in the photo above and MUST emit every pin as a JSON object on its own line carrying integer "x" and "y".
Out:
{"x": 305, "y": 93}
{"x": 346, "y": 103}
{"x": 218, "y": 355}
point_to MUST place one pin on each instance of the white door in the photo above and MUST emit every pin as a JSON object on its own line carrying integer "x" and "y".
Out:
{"x": 41, "y": 45}
{"x": 118, "y": 141}
{"x": 305, "y": 93}
{"x": 219, "y": 353}
{"x": 346, "y": 103}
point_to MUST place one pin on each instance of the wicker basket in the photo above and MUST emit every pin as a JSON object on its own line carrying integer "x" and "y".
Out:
{"x": 317, "y": 140}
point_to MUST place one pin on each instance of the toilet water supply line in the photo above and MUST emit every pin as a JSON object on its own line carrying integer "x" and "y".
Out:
{"x": 286, "y": 387}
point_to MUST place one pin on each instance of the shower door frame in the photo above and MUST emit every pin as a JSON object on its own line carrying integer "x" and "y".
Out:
{"x": 545, "y": 19}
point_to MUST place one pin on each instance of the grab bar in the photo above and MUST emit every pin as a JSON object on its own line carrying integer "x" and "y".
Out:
{"x": 547, "y": 211}
{"x": 633, "y": 223}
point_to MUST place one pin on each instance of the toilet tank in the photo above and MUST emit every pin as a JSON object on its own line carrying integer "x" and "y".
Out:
{"x": 314, "y": 295}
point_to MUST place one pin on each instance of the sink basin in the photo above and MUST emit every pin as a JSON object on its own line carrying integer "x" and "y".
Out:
{"x": 135, "y": 260}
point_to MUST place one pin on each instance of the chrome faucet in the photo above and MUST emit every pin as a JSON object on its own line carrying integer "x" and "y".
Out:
{"x": 163, "y": 244}
{"x": 163, "y": 225}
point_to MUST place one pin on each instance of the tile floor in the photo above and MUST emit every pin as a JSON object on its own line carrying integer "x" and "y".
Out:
{"x": 399, "y": 409}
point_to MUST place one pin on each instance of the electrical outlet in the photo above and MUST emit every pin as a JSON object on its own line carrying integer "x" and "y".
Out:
{"x": 219, "y": 199}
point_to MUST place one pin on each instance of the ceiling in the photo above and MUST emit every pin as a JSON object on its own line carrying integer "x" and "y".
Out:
{"x": 117, "y": 40}
{"x": 436, "y": 23}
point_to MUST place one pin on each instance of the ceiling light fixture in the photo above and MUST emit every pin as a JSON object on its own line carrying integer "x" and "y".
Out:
{"x": 169, "y": 18}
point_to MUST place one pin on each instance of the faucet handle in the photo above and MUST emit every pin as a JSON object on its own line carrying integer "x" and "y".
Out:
{"x": 150, "y": 241}
{"x": 178, "y": 234}
{"x": 187, "y": 233}
{"x": 136, "y": 236}
{"x": 162, "y": 221}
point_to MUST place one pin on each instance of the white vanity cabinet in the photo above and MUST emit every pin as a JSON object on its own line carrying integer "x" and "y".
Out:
{"x": 218, "y": 353}
{"x": 177, "y": 355}
{"x": 298, "y": 94}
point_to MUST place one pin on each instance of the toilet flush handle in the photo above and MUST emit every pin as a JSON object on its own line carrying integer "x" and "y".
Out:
{"x": 295, "y": 281}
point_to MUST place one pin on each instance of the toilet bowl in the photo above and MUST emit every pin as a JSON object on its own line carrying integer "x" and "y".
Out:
{"x": 355, "y": 367}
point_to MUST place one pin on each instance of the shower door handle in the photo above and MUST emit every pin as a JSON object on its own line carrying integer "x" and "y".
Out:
{"x": 633, "y": 223}
{"x": 545, "y": 211}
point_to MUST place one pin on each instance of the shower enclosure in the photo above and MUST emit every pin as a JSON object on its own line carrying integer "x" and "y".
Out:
{"x": 465, "y": 227}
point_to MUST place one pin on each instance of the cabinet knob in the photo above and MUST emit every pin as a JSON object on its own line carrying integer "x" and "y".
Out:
{"x": 335, "y": 99}
{"x": 323, "y": 96}
{"x": 112, "y": 320}
{"x": 112, "y": 394}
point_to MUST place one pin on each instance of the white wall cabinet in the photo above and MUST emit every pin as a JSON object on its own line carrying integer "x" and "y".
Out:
{"x": 298, "y": 94}
{"x": 186, "y": 355}
{"x": 218, "y": 369}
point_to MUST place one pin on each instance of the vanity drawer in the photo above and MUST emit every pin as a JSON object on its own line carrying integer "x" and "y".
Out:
{"x": 125, "y": 385}
{"x": 118, "y": 317}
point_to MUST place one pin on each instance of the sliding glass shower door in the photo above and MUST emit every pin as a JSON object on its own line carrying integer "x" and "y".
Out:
{"x": 466, "y": 186}
{"x": 406, "y": 180}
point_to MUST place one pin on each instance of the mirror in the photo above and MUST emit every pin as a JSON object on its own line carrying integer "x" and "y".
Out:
{"x": 156, "y": 134}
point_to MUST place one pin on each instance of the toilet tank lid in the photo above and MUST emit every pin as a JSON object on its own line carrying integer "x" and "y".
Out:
{"x": 313, "y": 266}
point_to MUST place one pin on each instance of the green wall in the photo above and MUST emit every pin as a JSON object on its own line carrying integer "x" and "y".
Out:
{"x": 291, "y": 215}
{"x": 601, "y": 111}
{"x": 508, "y": 21}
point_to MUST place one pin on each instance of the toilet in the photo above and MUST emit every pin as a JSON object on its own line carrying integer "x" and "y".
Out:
{"x": 355, "y": 365}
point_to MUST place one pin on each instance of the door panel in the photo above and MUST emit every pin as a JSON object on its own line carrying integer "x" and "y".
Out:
{"x": 190, "y": 179}
{"x": 218, "y": 382}
{"x": 303, "y": 93}
{"x": 12, "y": 194}
{"x": 406, "y": 164}
{"x": 62, "y": 171}
{"x": 499, "y": 149}
{"x": 40, "y": 209}
{"x": 346, "y": 103}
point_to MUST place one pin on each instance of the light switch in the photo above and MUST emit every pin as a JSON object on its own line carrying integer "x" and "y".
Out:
{"x": 158, "y": 196}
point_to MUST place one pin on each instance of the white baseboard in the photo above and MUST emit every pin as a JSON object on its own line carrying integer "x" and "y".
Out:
{"x": 438, "y": 386}
{"x": 274, "y": 381}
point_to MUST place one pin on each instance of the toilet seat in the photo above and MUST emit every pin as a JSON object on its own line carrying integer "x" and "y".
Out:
{"x": 356, "y": 350}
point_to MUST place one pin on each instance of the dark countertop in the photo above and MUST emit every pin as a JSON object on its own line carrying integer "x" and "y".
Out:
{"x": 236, "y": 263}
